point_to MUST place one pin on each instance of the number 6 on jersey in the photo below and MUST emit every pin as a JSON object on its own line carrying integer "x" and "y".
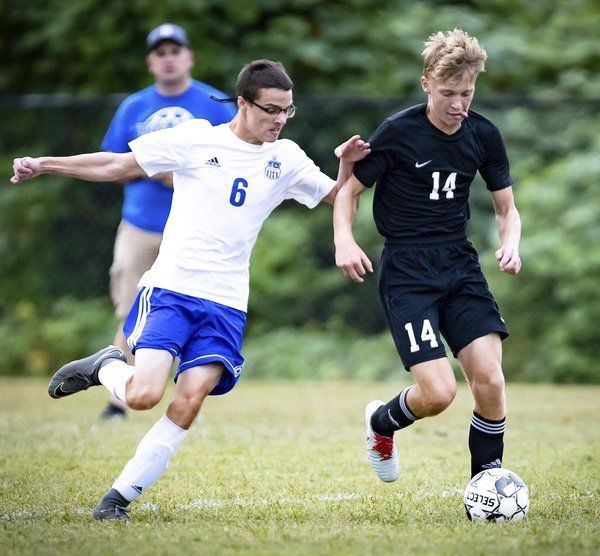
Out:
{"x": 238, "y": 192}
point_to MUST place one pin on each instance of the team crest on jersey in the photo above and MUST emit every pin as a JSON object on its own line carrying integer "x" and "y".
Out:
{"x": 273, "y": 169}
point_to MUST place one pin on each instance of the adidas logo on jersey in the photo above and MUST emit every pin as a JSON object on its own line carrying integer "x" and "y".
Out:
{"x": 213, "y": 162}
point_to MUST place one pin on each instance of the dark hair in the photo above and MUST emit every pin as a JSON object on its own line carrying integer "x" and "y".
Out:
{"x": 262, "y": 74}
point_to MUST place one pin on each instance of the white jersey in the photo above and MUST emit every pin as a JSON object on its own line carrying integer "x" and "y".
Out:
{"x": 224, "y": 188}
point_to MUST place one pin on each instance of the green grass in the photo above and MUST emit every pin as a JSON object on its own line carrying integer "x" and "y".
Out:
{"x": 279, "y": 468}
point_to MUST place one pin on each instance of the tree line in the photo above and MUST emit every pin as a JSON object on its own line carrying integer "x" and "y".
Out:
{"x": 353, "y": 64}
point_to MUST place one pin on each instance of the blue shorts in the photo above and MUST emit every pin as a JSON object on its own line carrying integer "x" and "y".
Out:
{"x": 196, "y": 330}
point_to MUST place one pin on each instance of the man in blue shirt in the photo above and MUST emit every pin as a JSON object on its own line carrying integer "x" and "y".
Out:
{"x": 174, "y": 98}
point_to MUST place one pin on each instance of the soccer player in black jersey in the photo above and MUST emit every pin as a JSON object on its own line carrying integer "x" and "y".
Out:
{"x": 424, "y": 160}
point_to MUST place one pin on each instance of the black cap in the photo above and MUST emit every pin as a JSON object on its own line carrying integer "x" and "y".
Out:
{"x": 166, "y": 32}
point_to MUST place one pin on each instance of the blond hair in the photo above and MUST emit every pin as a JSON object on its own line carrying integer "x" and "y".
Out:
{"x": 452, "y": 56}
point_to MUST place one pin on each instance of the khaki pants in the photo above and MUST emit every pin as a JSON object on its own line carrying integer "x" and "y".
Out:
{"x": 134, "y": 253}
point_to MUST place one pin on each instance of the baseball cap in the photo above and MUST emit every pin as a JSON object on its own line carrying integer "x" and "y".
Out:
{"x": 166, "y": 32}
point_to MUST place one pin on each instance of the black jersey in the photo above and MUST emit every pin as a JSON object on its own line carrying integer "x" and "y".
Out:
{"x": 424, "y": 175}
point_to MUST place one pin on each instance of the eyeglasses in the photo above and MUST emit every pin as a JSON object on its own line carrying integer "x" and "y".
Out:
{"x": 290, "y": 111}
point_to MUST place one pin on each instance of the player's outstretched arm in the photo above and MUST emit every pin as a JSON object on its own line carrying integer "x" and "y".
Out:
{"x": 100, "y": 166}
{"x": 509, "y": 230}
{"x": 349, "y": 152}
{"x": 349, "y": 257}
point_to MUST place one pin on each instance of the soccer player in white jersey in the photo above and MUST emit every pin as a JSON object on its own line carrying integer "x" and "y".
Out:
{"x": 192, "y": 302}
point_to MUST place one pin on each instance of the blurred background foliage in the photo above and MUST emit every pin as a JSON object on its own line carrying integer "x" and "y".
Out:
{"x": 65, "y": 65}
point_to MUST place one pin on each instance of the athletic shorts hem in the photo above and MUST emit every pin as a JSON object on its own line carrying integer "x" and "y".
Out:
{"x": 226, "y": 383}
{"x": 173, "y": 350}
{"x": 495, "y": 329}
{"x": 423, "y": 358}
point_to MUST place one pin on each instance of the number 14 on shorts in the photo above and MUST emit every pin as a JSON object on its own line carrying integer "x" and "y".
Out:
{"x": 427, "y": 335}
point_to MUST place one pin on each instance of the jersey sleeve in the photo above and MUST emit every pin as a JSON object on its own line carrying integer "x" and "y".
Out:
{"x": 383, "y": 145}
{"x": 116, "y": 140}
{"x": 496, "y": 169}
{"x": 165, "y": 150}
{"x": 308, "y": 185}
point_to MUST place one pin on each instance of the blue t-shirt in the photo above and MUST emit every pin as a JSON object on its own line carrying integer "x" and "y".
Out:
{"x": 147, "y": 202}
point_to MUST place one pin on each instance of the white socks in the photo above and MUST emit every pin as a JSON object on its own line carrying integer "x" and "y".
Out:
{"x": 151, "y": 458}
{"x": 114, "y": 377}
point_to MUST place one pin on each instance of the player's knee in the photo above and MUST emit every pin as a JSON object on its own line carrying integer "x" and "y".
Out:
{"x": 191, "y": 402}
{"x": 489, "y": 383}
{"x": 441, "y": 397}
{"x": 185, "y": 407}
{"x": 141, "y": 399}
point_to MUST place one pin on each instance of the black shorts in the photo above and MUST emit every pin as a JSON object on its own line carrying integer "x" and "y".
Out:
{"x": 436, "y": 290}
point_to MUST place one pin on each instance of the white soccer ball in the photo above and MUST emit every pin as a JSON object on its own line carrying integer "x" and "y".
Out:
{"x": 498, "y": 495}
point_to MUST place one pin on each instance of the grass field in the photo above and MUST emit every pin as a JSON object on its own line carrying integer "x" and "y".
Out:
{"x": 280, "y": 469}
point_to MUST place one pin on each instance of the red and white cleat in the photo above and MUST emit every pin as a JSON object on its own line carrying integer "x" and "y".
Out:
{"x": 381, "y": 450}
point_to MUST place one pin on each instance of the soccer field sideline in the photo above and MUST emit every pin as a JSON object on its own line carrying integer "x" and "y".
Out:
{"x": 202, "y": 503}
{"x": 280, "y": 468}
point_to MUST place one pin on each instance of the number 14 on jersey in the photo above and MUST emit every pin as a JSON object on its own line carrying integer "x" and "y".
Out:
{"x": 449, "y": 186}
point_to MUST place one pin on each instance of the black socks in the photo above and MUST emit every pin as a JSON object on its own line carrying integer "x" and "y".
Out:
{"x": 486, "y": 436}
{"x": 393, "y": 416}
{"x": 486, "y": 443}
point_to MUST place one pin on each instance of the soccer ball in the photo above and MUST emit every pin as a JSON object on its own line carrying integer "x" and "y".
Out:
{"x": 497, "y": 495}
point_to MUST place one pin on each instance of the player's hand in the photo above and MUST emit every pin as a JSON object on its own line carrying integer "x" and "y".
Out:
{"x": 509, "y": 260}
{"x": 352, "y": 261}
{"x": 25, "y": 168}
{"x": 353, "y": 150}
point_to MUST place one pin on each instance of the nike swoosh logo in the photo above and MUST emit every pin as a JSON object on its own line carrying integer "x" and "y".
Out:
{"x": 58, "y": 390}
{"x": 104, "y": 354}
{"x": 417, "y": 165}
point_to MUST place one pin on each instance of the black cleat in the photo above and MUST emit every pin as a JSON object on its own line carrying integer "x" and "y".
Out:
{"x": 113, "y": 412}
{"x": 112, "y": 507}
{"x": 81, "y": 374}
{"x": 111, "y": 512}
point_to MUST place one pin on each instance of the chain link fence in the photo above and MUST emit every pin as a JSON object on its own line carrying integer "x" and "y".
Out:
{"x": 56, "y": 234}
{"x": 61, "y": 231}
